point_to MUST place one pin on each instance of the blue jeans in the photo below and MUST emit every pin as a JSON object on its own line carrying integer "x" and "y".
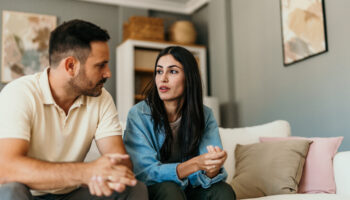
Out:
{"x": 18, "y": 191}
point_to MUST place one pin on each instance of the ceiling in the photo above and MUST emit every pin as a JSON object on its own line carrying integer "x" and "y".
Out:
{"x": 176, "y": 6}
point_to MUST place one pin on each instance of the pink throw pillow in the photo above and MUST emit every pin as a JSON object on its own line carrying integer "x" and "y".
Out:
{"x": 318, "y": 174}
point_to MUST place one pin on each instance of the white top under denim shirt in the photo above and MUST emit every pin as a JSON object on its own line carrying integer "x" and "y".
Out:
{"x": 143, "y": 146}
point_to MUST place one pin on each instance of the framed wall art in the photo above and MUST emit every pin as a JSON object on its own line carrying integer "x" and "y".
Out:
{"x": 304, "y": 32}
{"x": 25, "y": 40}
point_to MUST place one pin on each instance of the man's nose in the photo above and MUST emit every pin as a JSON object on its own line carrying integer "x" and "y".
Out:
{"x": 107, "y": 73}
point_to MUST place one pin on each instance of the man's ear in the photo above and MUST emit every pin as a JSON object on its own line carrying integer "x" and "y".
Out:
{"x": 71, "y": 65}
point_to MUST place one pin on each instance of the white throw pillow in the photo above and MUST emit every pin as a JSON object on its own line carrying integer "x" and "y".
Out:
{"x": 230, "y": 137}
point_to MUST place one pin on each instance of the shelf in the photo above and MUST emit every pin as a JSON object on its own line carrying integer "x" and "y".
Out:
{"x": 164, "y": 43}
{"x": 144, "y": 70}
{"x": 139, "y": 97}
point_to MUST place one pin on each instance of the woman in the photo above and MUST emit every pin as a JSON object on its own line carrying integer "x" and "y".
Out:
{"x": 172, "y": 138}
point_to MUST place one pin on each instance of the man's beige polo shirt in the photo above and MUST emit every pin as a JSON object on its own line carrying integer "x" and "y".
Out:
{"x": 28, "y": 111}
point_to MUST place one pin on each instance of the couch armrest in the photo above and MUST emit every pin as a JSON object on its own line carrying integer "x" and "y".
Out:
{"x": 341, "y": 165}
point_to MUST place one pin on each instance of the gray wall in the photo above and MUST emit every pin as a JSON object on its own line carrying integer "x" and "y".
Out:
{"x": 108, "y": 17}
{"x": 104, "y": 16}
{"x": 213, "y": 22}
{"x": 313, "y": 95}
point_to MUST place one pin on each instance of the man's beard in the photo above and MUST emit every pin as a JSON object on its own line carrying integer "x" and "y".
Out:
{"x": 76, "y": 84}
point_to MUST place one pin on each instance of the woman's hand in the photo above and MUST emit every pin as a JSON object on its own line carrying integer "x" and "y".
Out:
{"x": 210, "y": 162}
{"x": 220, "y": 161}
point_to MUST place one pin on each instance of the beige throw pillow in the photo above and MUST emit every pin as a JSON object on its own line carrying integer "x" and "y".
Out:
{"x": 269, "y": 168}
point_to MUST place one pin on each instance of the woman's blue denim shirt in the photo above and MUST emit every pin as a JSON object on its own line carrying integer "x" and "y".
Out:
{"x": 143, "y": 146}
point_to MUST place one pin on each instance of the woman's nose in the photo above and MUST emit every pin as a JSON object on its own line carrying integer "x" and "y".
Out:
{"x": 164, "y": 78}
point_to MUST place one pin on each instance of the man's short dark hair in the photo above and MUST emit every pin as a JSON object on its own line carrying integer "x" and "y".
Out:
{"x": 73, "y": 38}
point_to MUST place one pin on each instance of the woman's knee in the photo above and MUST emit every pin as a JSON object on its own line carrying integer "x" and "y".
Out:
{"x": 166, "y": 190}
{"x": 223, "y": 191}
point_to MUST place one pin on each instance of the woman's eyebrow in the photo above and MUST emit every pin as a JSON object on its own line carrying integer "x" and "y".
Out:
{"x": 170, "y": 66}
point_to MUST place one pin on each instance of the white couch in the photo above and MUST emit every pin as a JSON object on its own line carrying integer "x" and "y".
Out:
{"x": 248, "y": 135}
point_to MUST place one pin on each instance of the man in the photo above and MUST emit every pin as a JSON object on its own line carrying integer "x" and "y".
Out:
{"x": 48, "y": 121}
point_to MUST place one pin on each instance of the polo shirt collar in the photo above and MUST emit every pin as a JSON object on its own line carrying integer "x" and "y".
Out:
{"x": 45, "y": 87}
{"x": 46, "y": 91}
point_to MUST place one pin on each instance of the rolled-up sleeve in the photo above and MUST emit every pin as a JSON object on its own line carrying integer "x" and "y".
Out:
{"x": 211, "y": 137}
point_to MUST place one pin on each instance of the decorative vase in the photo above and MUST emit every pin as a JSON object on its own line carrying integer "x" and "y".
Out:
{"x": 182, "y": 32}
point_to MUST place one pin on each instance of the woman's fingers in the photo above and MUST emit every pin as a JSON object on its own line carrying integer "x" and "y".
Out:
{"x": 210, "y": 149}
{"x": 217, "y": 149}
{"x": 215, "y": 155}
{"x": 212, "y": 162}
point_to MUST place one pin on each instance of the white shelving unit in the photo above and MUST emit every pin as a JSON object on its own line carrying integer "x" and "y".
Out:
{"x": 126, "y": 70}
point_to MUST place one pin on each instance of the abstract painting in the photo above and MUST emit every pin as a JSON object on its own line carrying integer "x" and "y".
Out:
{"x": 25, "y": 42}
{"x": 303, "y": 29}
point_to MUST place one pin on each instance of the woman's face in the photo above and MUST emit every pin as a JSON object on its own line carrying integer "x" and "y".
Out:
{"x": 170, "y": 78}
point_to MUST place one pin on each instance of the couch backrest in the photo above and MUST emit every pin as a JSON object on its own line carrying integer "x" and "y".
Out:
{"x": 230, "y": 137}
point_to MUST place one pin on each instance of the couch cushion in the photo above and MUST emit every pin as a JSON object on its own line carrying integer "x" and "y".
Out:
{"x": 269, "y": 168}
{"x": 318, "y": 176}
{"x": 230, "y": 137}
{"x": 303, "y": 197}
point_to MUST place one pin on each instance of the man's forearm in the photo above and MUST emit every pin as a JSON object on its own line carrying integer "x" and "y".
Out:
{"x": 38, "y": 174}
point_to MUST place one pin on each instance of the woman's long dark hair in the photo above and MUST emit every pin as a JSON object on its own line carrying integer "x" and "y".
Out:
{"x": 192, "y": 116}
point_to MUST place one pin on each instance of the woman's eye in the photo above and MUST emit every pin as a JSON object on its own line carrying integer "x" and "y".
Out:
{"x": 173, "y": 72}
{"x": 159, "y": 71}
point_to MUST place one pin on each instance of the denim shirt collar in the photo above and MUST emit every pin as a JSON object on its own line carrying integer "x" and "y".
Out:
{"x": 145, "y": 109}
